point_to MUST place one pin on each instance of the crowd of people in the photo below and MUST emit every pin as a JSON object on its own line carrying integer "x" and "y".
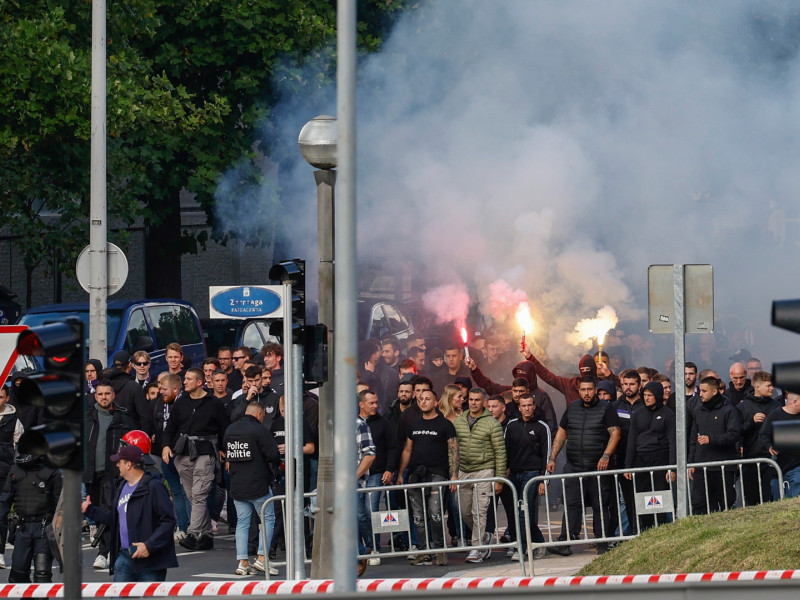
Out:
{"x": 215, "y": 435}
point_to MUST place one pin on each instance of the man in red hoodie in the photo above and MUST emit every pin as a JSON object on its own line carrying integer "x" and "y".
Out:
{"x": 566, "y": 385}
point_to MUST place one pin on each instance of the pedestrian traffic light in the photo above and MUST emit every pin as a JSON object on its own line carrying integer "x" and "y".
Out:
{"x": 294, "y": 272}
{"x": 58, "y": 391}
{"x": 786, "y": 315}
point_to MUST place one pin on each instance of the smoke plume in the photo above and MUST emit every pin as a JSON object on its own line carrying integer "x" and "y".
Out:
{"x": 556, "y": 149}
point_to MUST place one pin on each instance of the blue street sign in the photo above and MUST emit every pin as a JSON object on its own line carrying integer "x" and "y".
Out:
{"x": 245, "y": 301}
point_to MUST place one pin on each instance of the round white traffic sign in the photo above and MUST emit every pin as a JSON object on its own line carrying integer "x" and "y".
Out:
{"x": 117, "y": 268}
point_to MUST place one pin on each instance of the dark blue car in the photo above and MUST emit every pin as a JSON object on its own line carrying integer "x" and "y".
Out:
{"x": 134, "y": 325}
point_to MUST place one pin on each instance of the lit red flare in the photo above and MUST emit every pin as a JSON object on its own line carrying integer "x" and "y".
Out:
{"x": 524, "y": 319}
{"x": 465, "y": 340}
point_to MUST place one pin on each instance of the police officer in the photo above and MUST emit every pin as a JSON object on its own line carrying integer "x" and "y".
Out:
{"x": 252, "y": 455}
{"x": 11, "y": 430}
{"x": 34, "y": 489}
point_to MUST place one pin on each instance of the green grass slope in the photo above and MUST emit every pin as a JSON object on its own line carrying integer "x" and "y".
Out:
{"x": 756, "y": 538}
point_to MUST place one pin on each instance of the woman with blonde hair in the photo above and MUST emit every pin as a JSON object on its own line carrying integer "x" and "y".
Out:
{"x": 451, "y": 402}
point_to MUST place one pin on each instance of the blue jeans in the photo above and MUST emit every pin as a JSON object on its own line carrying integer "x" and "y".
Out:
{"x": 123, "y": 570}
{"x": 244, "y": 510}
{"x": 182, "y": 506}
{"x": 374, "y": 503}
{"x": 791, "y": 485}
{"x": 364, "y": 520}
{"x": 519, "y": 479}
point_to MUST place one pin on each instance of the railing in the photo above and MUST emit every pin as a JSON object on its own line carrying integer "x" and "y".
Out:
{"x": 653, "y": 491}
{"x": 394, "y": 520}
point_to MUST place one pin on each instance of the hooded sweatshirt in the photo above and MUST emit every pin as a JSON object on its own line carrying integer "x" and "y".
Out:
{"x": 566, "y": 385}
{"x": 749, "y": 408}
{"x": 651, "y": 437}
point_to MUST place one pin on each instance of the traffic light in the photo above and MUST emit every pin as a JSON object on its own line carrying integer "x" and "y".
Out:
{"x": 315, "y": 353}
{"x": 58, "y": 391}
{"x": 293, "y": 271}
{"x": 786, "y": 315}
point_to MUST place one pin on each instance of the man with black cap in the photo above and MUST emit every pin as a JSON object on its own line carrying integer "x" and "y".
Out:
{"x": 651, "y": 443}
{"x": 141, "y": 521}
{"x": 524, "y": 381}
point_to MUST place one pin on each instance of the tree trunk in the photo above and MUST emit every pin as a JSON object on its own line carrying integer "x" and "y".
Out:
{"x": 163, "y": 253}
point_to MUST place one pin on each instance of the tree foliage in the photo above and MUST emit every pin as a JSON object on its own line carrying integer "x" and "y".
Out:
{"x": 188, "y": 83}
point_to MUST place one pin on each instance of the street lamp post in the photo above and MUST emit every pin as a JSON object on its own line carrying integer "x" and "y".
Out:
{"x": 317, "y": 143}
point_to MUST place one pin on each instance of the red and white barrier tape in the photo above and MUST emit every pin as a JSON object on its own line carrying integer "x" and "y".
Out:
{"x": 260, "y": 588}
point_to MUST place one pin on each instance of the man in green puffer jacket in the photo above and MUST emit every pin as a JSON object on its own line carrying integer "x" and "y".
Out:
{"x": 483, "y": 455}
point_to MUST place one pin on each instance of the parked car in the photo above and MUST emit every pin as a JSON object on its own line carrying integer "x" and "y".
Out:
{"x": 376, "y": 318}
{"x": 253, "y": 333}
{"x": 133, "y": 325}
{"x": 381, "y": 318}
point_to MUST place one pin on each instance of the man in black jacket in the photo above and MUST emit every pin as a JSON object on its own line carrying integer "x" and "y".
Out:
{"x": 716, "y": 428}
{"x": 193, "y": 437}
{"x": 625, "y": 405}
{"x": 754, "y": 410}
{"x": 593, "y": 429}
{"x": 651, "y": 443}
{"x": 107, "y": 423}
{"x": 252, "y": 456}
{"x": 528, "y": 444}
{"x": 129, "y": 394}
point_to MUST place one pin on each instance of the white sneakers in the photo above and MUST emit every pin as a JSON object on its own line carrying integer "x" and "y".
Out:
{"x": 101, "y": 562}
{"x": 475, "y": 556}
{"x": 179, "y": 535}
{"x": 261, "y": 568}
{"x": 2, "y": 562}
{"x": 374, "y": 559}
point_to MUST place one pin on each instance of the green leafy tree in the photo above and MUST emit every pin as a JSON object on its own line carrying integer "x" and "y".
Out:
{"x": 190, "y": 85}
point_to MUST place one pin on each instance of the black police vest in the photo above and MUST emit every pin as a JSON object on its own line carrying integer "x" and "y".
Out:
{"x": 33, "y": 491}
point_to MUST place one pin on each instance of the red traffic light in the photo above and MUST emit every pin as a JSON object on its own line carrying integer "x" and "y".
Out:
{"x": 57, "y": 343}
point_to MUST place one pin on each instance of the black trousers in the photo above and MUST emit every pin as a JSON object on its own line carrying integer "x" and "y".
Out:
{"x": 31, "y": 543}
{"x": 721, "y": 490}
{"x": 595, "y": 492}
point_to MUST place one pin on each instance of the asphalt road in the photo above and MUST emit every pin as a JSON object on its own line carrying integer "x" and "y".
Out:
{"x": 220, "y": 563}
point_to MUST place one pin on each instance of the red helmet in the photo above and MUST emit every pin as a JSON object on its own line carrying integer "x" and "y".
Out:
{"x": 138, "y": 438}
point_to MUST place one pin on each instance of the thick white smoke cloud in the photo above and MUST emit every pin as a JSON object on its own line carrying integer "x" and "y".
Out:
{"x": 564, "y": 146}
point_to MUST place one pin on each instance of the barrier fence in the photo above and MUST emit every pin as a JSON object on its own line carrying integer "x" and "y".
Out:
{"x": 623, "y": 503}
{"x": 392, "y": 517}
{"x": 609, "y": 495}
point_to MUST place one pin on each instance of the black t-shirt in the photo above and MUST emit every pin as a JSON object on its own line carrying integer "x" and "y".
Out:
{"x": 429, "y": 437}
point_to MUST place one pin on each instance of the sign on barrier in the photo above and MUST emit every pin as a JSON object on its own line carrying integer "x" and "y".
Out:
{"x": 390, "y": 521}
{"x": 648, "y": 503}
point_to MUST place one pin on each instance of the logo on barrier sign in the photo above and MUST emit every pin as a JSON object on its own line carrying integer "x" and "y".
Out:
{"x": 654, "y": 502}
{"x": 389, "y": 519}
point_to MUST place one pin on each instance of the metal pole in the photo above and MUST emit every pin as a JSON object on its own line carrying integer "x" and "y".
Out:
{"x": 98, "y": 286}
{"x": 289, "y": 426}
{"x": 299, "y": 548}
{"x": 344, "y": 516}
{"x": 71, "y": 489}
{"x": 682, "y": 484}
{"x": 323, "y": 551}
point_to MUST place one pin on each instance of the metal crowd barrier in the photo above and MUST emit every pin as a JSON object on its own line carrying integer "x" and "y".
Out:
{"x": 650, "y": 501}
{"x": 396, "y": 520}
